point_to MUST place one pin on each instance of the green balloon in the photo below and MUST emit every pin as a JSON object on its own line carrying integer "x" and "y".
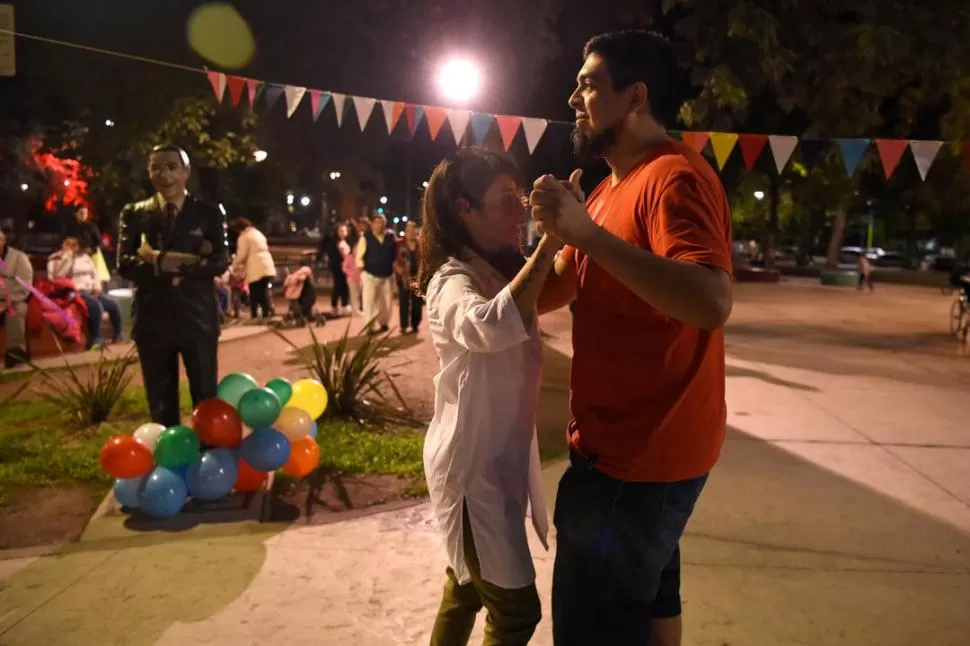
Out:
{"x": 282, "y": 388}
{"x": 233, "y": 386}
{"x": 259, "y": 408}
{"x": 176, "y": 447}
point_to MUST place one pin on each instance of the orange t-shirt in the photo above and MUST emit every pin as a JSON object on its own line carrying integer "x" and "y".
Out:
{"x": 647, "y": 391}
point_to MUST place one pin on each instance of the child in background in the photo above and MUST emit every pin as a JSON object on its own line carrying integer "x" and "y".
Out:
{"x": 300, "y": 293}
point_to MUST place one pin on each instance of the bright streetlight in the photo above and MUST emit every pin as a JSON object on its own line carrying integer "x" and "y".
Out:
{"x": 335, "y": 174}
{"x": 396, "y": 220}
{"x": 24, "y": 187}
{"x": 260, "y": 155}
{"x": 304, "y": 201}
{"x": 383, "y": 199}
{"x": 460, "y": 79}
{"x": 289, "y": 199}
{"x": 759, "y": 195}
{"x": 109, "y": 123}
{"x": 67, "y": 182}
{"x": 424, "y": 184}
{"x": 404, "y": 218}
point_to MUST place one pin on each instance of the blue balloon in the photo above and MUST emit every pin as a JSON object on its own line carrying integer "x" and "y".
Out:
{"x": 265, "y": 450}
{"x": 212, "y": 475}
{"x": 162, "y": 494}
{"x": 126, "y": 491}
{"x": 313, "y": 430}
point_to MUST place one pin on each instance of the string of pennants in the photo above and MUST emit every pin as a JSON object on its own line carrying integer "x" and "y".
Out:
{"x": 722, "y": 144}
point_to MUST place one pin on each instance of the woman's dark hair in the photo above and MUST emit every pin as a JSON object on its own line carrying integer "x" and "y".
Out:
{"x": 240, "y": 224}
{"x": 465, "y": 174}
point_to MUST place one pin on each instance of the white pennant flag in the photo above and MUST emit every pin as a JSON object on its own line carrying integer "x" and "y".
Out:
{"x": 293, "y": 96}
{"x": 338, "y": 104}
{"x": 925, "y": 152}
{"x": 534, "y": 129}
{"x": 364, "y": 107}
{"x": 388, "y": 107}
{"x": 459, "y": 122}
{"x": 782, "y": 148}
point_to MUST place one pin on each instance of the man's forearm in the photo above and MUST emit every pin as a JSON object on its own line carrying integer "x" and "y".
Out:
{"x": 685, "y": 291}
{"x": 527, "y": 284}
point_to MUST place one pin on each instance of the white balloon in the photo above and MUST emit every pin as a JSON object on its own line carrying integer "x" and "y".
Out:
{"x": 148, "y": 434}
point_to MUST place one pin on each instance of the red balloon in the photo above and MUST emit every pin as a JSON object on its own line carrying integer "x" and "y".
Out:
{"x": 304, "y": 458}
{"x": 248, "y": 479}
{"x": 122, "y": 456}
{"x": 217, "y": 423}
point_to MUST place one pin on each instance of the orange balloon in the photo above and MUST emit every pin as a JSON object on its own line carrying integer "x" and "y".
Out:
{"x": 217, "y": 423}
{"x": 122, "y": 456}
{"x": 304, "y": 458}
{"x": 248, "y": 479}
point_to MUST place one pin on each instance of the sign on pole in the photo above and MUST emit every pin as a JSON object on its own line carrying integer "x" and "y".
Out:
{"x": 8, "y": 62}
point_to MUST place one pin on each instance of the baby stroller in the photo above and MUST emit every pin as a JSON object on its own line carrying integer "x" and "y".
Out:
{"x": 302, "y": 296}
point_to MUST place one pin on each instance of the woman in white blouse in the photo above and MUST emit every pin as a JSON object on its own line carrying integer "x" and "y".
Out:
{"x": 481, "y": 458}
{"x": 253, "y": 257}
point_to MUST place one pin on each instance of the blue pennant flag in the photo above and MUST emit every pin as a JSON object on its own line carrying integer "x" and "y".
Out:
{"x": 481, "y": 123}
{"x": 272, "y": 94}
{"x": 852, "y": 152}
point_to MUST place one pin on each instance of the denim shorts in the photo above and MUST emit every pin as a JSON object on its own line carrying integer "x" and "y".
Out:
{"x": 617, "y": 556}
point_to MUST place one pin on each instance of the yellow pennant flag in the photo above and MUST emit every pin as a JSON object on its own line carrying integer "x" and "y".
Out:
{"x": 723, "y": 143}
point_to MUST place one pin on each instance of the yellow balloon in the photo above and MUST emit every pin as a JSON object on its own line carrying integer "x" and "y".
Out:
{"x": 310, "y": 396}
{"x": 220, "y": 35}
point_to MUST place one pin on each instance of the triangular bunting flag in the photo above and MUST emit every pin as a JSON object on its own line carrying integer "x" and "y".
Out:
{"x": 318, "y": 101}
{"x": 338, "y": 106}
{"x": 364, "y": 108}
{"x": 236, "y": 85}
{"x": 852, "y": 151}
{"x": 273, "y": 94}
{"x": 481, "y": 123}
{"x": 391, "y": 114}
{"x": 696, "y": 140}
{"x": 436, "y": 119}
{"x": 294, "y": 94}
{"x": 723, "y": 144}
{"x": 533, "y": 129}
{"x": 751, "y": 148}
{"x": 508, "y": 127}
{"x": 414, "y": 114}
{"x": 782, "y": 148}
{"x": 891, "y": 153}
{"x": 218, "y": 82}
{"x": 676, "y": 134}
{"x": 812, "y": 151}
{"x": 925, "y": 152}
{"x": 253, "y": 88}
{"x": 458, "y": 120}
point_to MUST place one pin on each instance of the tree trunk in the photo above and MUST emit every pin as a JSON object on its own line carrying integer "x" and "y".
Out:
{"x": 838, "y": 232}
{"x": 771, "y": 231}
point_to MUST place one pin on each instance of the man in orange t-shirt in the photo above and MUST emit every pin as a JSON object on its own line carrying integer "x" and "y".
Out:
{"x": 648, "y": 262}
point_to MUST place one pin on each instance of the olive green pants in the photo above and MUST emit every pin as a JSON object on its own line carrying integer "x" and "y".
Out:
{"x": 512, "y": 614}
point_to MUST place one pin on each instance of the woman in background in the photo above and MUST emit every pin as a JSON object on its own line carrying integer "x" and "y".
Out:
{"x": 253, "y": 256}
{"x": 351, "y": 272}
{"x": 405, "y": 269}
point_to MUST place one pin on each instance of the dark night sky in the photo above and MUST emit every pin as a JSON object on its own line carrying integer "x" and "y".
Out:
{"x": 336, "y": 46}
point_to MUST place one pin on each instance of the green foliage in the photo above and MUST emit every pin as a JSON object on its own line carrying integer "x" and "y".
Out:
{"x": 358, "y": 386}
{"x": 348, "y": 448}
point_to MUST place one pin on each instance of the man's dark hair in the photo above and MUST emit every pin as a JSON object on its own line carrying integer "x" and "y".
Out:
{"x": 172, "y": 148}
{"x": 636, "y": 55}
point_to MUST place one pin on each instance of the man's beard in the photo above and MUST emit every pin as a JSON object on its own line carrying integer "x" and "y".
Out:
{"x": 592, "y": 146}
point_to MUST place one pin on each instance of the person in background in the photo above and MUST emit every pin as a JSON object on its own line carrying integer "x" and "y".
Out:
{"x": 75, "y": 264}
{"x": 172, "y": 246}
{"x": 340, "y": 294}
{"x": 253, "y": 257}
{"x": 13, "y": 301}
{"x": 481, "y": 456}
{"x": 224, "y": 294}
{"x": 648, "y": 261}
{"x": 865, "y": 273}
{"x": 349, "y": 264}
{"x": 405, "y": 271}
{"x": 376, "y": 252}
{"x": 90, "y": 240}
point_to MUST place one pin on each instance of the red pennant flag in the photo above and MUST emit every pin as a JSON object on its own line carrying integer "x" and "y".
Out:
{"x": 696, "y": 140}
{"x": 252, "y": 88}
{"x": 751, "y": 147}
{"x": 508, "y": 127}
{"x": 891, "y": 153}
{"x": 411, "y": 112}
{"x": 218, "y": 82}
{"x": 436, "y": 119}
{"x": 236, "y": 86}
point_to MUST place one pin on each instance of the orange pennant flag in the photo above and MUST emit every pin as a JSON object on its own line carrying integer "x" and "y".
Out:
{"x": 436, "y": 118}
{"x": 696, "y": 140}
{"x": 891, "y": 153}
{"x": 218, "y": 82}
{"x": 508, "y": 127}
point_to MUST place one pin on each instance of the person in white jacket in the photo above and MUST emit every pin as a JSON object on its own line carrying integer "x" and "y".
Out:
{"x": 481, "y": 457}
{"x": 253, "y": 257}
{"x": 13, "y": 301}
{"x": 75, "y": 264}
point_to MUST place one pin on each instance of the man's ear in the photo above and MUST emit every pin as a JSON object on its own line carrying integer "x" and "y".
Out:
{"x": 639, "y": 97}
{"x": 463, "y": 207}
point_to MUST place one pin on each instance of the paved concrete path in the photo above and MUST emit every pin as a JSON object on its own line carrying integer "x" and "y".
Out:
{"x": 839, "y": 514}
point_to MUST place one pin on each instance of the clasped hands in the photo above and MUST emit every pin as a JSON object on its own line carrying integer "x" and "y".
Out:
{"x": 559, "y": 209}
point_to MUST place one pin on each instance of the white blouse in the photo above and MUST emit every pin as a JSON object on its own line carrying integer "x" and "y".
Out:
{"x": 481, "y": 446}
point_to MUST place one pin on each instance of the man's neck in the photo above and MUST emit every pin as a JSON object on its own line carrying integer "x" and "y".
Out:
{"x": 178, "y": 200}
{"x": 625, "y": 155}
